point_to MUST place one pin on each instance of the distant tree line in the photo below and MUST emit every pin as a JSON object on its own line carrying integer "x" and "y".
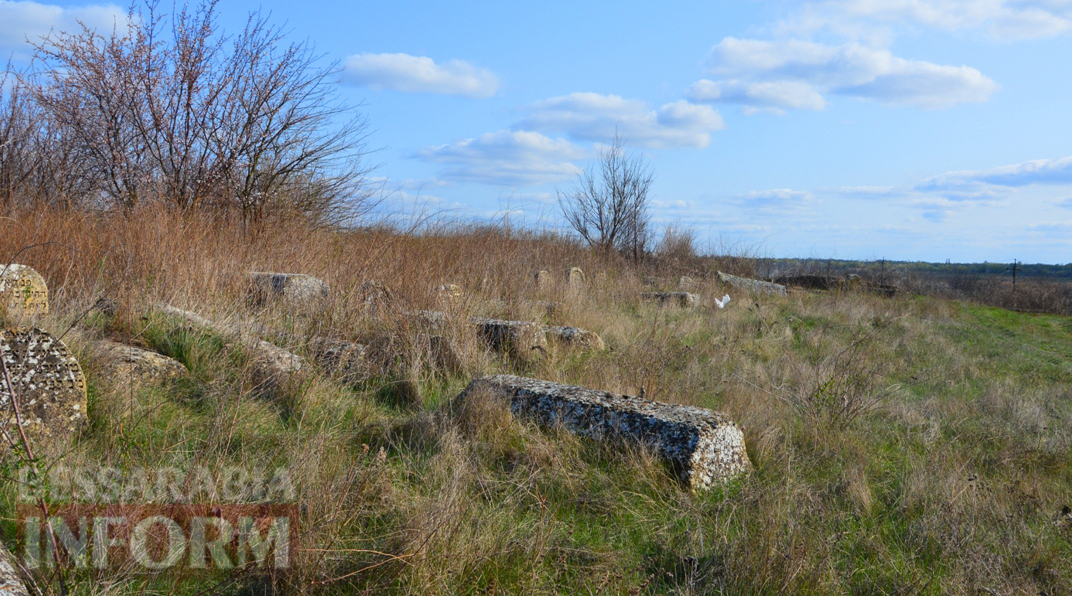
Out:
{"x": 169, "y": 108}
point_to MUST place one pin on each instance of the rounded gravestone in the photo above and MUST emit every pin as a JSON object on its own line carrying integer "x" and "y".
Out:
{"x": 293, "y": 289}
{"x": 22, "y": 291}
{"x": 48, "y": 385}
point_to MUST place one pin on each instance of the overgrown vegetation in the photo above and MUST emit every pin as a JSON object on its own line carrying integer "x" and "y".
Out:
{"x": 902, "y": 445}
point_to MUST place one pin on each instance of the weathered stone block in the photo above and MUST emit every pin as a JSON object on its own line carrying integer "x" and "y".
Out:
{"x": 23, "y": 292}
{"x": 576, "y": 338}
{"x": 11, "y": 583}
{"x": 544, "y": 281}
{"x": 524, "y": 340}
{"x": 48, "y": 385}
{"x": 450, "y": 294}
{"x": 575, "y": 279}
{"x": 704, "y": 447}
{"x": 375, "y": 298}
{"x": 752, "y": 285}
{"x": 682, "y": 299}
{"x": 293, "y": 289}
{"x": 345, "y": 359}
{"x": 133, "y": 365}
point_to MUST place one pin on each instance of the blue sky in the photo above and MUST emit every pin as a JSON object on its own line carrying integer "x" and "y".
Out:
{"x": 899, "y": 129}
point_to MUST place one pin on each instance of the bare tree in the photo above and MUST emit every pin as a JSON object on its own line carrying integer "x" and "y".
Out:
{"x": 609, "y": 205}
{"x": 202, "y": 120}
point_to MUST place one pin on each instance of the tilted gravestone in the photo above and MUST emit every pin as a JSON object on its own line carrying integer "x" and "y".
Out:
{"x": 752, "y": 285}
{"x": 293, "y": 289}
{"x": 704, "y": 447}
{"x": 22, "y": 291}
{"x": 48, "y": 385}
{"x": 682, "y": 299}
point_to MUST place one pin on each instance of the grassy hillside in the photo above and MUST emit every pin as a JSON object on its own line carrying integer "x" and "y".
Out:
{"x": 904, "y": 445}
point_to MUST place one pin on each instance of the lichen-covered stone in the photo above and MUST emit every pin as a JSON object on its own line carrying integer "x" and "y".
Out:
{"x": 524, "y": 340}
{"x": 375, "y": 298}
{"x": 48, "y": 385}
{"x": 345, "y": 359}
{"x": 292, "y": 289}
{"x": 544, "y": 281}
{"x": 682, "y": 299}
{"x": 133, "y": 365}
{"x": 752, "y": 285}
{"x": 10, "y": 582}
{"x": 450, "y": 294}
{"x": 575, "y": 279}
{"x": 23, "y": 292}
{"x": 576, "y": 338}
{"x": 703, "y": 446}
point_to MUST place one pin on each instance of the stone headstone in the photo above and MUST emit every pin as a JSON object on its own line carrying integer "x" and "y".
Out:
{"x": 575, "y": 281}
{"x": 752, "y": 285}
{"x": 48, "y": 386}
{"x": 686, "y": 283}
{"x": 375, "y": 297}
{"x": 704, "y": 447}
{"x": 134, "y": 366}
{"x": 22, "y": 291}
{"x": 576, "y": 338}
{"x": 292, "y": 289}
{"x": 544, "y": 281}
{"x": 524, "y": 340}
{"x": 682, "y": 299}
{"x": 450, "y": 294}
{"x": 10, "y": 582}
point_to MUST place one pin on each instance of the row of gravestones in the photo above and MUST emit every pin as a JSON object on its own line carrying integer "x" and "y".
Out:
{"x": 43, "y": 388}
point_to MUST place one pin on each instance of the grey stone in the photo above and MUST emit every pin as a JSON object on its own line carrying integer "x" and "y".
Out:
{"x": 48, "y": 385}
{"x": 576, "y": 338}
{"x": 344, "y": 359}
{"x": 544, "y": 281}
{"x": 375, "y": 298}
{"x": 23, "y": 291}
{"x": 450, "y": 294}
{"x": 134, "y": 366}
{"x": 704, "y": 447}
{"x": 272, "y": 364}
{"x": 524, "y": 340}
{"x": 292, "y": 289}
{"x": 752, "y": 285}
{"x": 685, "y": 282}
{"x": 576, "y": 280}
{"x": 682, "y": 299}
{"x": 11, "y": 583}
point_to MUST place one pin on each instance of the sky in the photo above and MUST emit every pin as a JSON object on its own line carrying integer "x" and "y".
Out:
{"x": 920, "y": 130}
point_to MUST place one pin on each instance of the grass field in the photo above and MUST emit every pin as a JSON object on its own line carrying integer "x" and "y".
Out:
{"x": 906, "y": 445}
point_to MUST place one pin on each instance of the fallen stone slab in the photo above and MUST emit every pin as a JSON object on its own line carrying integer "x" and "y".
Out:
{"x": 23, "y": 291}
{"x": 47, "y": 387}
{"x": 135, "y": 365}
{"x": 524, "y": 340}
{"x": 292, "y": 289}
{"x": 271, "y": 362}
{"x": 704, "y": 447}
{"x": 811, "y": 282}
{"x": 11, "y": 583}
{"x": 576, "y": 338}
{"x": 682, "y": 299}
{"x": 752, "y": 285}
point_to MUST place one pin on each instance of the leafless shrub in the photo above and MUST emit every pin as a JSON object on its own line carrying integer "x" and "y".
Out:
{"x": 609, "y": 208}
{"x": 194, "y": 117}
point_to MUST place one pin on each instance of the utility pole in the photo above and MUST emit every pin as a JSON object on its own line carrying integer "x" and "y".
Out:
{"x": 1013, "y": 268}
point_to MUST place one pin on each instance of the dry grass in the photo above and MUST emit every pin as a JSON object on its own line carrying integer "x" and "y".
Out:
{"x": 901, "y": 446}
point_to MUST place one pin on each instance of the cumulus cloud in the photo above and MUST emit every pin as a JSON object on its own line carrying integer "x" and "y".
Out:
{"x": 20, "y": 21}
{"x": 794, "y": 74}
{"x": 506, "y": 158}
{"x": 1038, "y": 171}
{"x": 1003, "y": 19}
{"x": 419, "y": 74}
{"x": 596, "y": 117}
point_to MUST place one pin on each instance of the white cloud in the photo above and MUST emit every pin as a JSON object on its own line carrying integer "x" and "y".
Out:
{"x": 1038, "y": 171}
{"x": 596, "y": 117}
{"x": 20, "y": 21}
{"x": 775, "y": 95}
{"x": 1003, "y": 19}
{"x": 419, "y": 74}
{"x": 795, "y": 74}
{"x": 506, "y": 158}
